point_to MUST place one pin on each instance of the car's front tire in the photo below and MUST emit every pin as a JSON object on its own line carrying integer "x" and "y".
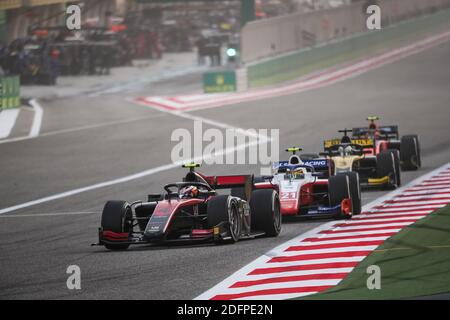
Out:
{"x": 338, "y": 190}
{"x": 386, "y": 166}
{"x": 117, "y": 217}
{"x": 265, "y": 212}
{"x": 221, "y": 209}
{"x": 355, "y": 192}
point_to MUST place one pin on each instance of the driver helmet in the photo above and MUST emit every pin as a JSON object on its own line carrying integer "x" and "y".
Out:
{"x": 348, "y": 150}
{"x": 189, "y": 192}
{"x": 345, "y": 151}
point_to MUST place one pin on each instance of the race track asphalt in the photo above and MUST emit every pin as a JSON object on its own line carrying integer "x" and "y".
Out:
{"x": 87, "y": 140}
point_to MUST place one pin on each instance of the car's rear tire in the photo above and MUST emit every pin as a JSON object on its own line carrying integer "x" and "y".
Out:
{"x": 225, "y": 209}
{"x": 338, "y": 190}
{"x": 265, "y": 212}
{"x": 117, "y": 217}
{"x": 410, "y": 152}
{"x": 386, "y": 166}
{"x": 355, "y": 192}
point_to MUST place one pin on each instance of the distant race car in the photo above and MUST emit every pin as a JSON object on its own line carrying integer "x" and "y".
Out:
{"x": 388, "y": 138}
{"x": 192, "y": 210}
{"x": 381, "y": 170}
{"x": 306, "y": 192}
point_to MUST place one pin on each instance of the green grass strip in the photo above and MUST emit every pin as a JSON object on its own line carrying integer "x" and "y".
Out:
{"x": 414, "y": 263}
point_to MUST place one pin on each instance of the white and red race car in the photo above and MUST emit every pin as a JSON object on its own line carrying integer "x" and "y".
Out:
{"x": 306, "y": 191}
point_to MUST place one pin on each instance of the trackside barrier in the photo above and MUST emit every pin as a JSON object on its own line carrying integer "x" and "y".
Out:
{"x": 219, "y": 82}
{"x": 9, "y": 92}
{"x": 293, "y": 65}
{"x": 279, "y": 35}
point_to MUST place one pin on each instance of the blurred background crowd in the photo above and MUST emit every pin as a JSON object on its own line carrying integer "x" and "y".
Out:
{"x": 35, "y": 43}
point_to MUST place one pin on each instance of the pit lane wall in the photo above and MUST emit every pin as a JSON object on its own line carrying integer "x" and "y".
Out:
{"x": 9, "y": 92}
{"x": 284, "y": 48}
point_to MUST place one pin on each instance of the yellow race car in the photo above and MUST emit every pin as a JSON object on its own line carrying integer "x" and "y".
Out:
{"x": 374, "y": 171}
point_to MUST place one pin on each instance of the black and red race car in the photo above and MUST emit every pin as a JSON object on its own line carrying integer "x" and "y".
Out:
{"x": 193, "y": 211}
{"x": 388, "y": 138}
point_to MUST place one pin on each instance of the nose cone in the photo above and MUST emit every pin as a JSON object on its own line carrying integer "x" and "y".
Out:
{"x": 289, "y": 208}
{"x": 154, "y": 230}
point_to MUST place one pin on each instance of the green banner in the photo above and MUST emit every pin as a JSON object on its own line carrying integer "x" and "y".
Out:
{"x": 214, "y": 82}
{"x": 9, "y": 92}
{"x": 2, "y": 27}
{"x": 247, "y": 11}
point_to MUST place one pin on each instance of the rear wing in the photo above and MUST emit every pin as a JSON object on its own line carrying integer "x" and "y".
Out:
{"x": 317, "y": 165}
{"x": 246, "y": 182}
{"x": 360, "y": 132}
{"x": 365, "y": 143}
{"x": 389, "y": 132}
{"x": 227, "y": 182}
{"x": 328, "y": 144}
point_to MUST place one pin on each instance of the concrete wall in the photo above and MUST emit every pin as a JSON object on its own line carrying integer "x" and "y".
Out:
{"x": 293, "y": 65}
{"x": 275, "y": 36}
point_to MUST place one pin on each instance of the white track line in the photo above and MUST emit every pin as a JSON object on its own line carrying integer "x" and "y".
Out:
{"x": 362, "y": 233}
{"x": 82, "y": 128}
{"x": 308, "y": 243}
{"x": 47, "y": 214}
{"x": 326, "y": 238}
{"x": 384, "y": 219}
{"x": 8, "y": 119}
{"x": 348, "y": 227}
{"x": 278, "y": 296}
{"x": 109, "y": 183}
{"x": 418, "y": 207}
{"x": 149, "y": 172}
{"x": 305, "y": 283}
{"x": 37, "y": 120}
{"x": 387, "y": 215}
{"x": 306, "y": 251}
{"x": 306, "y": 263}
{"x": 427, "y": 193}
{"x": 434, "y": 185}
{"x": 384, "y": 210}
{"x": 301, "y": 273}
